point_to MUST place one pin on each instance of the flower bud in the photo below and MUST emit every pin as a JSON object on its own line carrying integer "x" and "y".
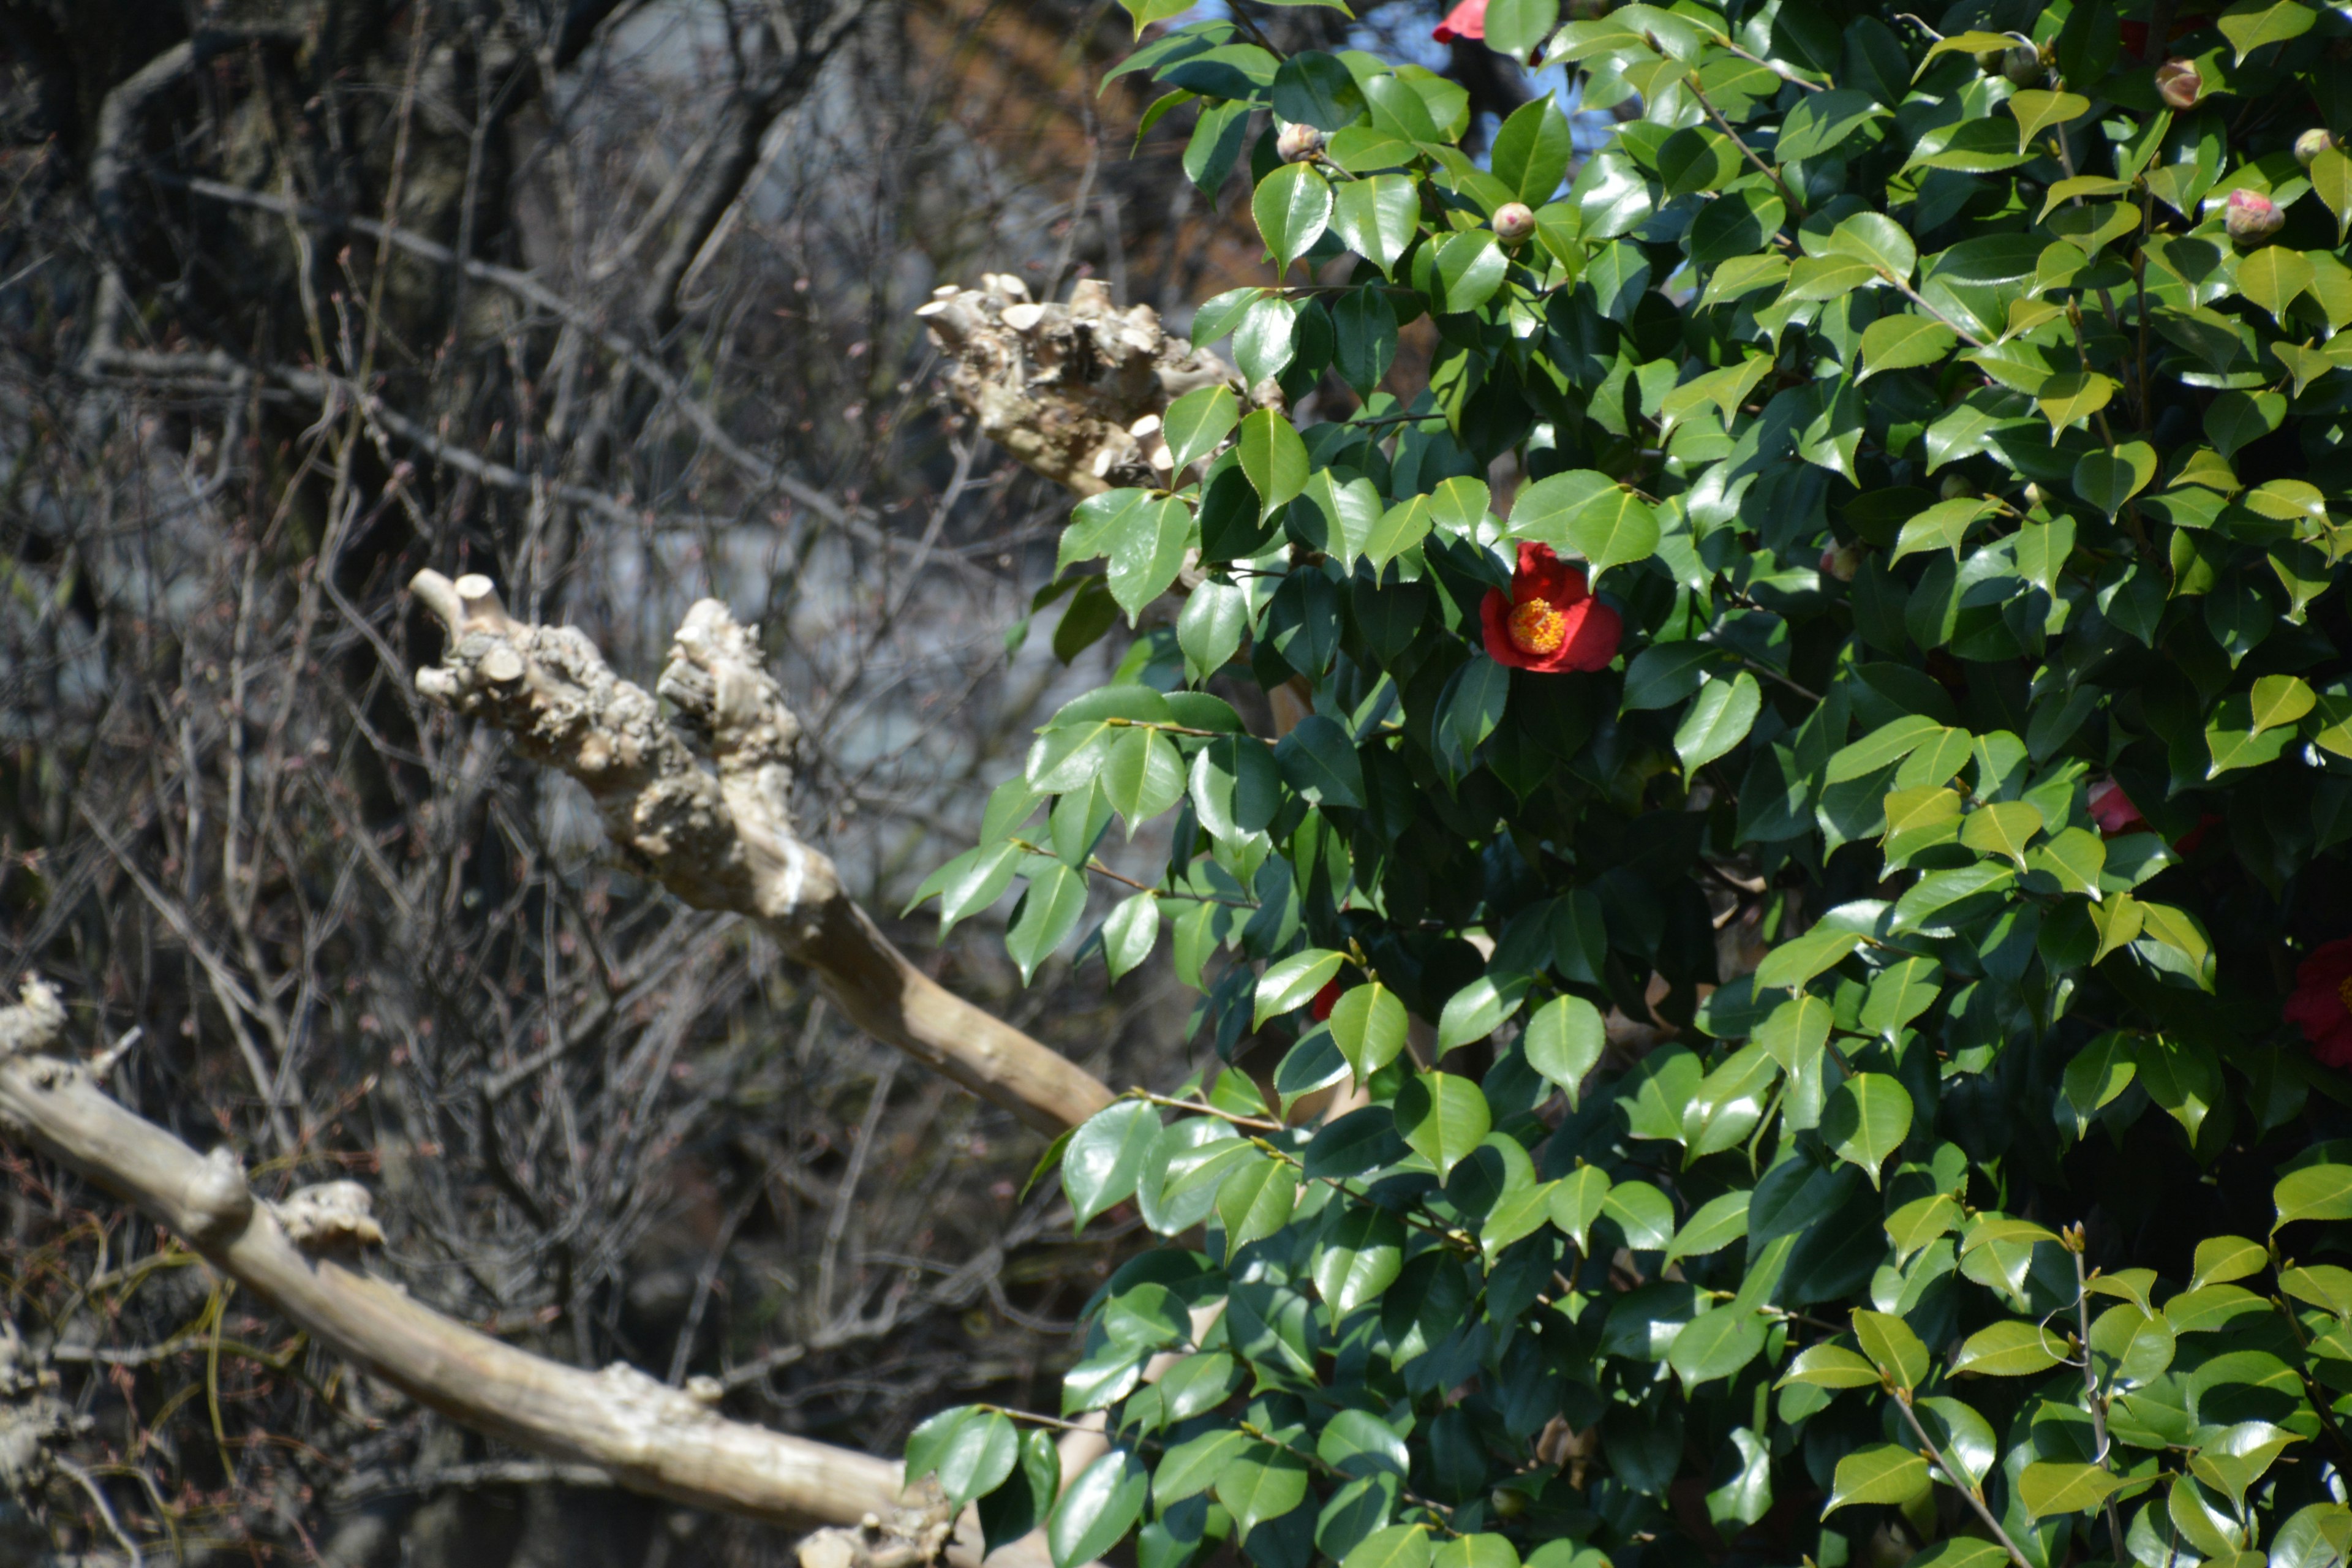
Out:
{"x": 1840, "y": 562}
{"x": 1514, "y": 222}
{"x": 2034, "y": 497}
{"x": 2178, "y": 83}
{"x": 1298, "y": 144}
{"x": 2311, "y": 144}
{"x": 2250, "y": 215}
{"x": 1954, "y": 486}
{"x": 2022, "y": 65}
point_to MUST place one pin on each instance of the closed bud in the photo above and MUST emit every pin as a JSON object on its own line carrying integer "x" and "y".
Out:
{"x": 1956, "y": 486}
{"x": 1298, "y": 144}
{"x": 2022, "y": 65}
{"x": 1514, "y": 222}
{"x": 2250, "y": 216}
{"x": 2178, "y": 83}
{"x": 1840, "y": 562}
{"x": 2035, "y": 498}
{"x": 2311, "y": 144}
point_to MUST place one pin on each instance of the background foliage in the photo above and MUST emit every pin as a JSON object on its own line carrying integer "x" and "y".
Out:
{"x": 1949, "y": 409}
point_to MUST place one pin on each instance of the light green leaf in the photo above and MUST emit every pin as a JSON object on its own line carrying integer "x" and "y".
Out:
{"x": 1442, "y": 1118}
{"x": 1901, "y": 342}
{"x": 2008, "y": 1349}
{"x": 1130, "y": 933}
{"x": 1293, "y": 983}
{"x": 1367, "y": 1023}
{"x": 2037, "y": 110}
{"x": 1881, "y": 1473}
{"x": 1941, "y": 527}
{"x": 1292, "y": 207}
{"x": 2047, "y": 1489}
{"x": 1376, "y": 218}
{"x": 1097, "y": 1510}
{"x": 1197, "y": 421}
{"x": 1719, "y": 719}
{"x": 1274, "y": 460}
{"x": 1564, "y": 1040}
{"x": 1576, "y": 1200}
{"x": 2315, "y": 1192}
{"x": 1867, "y": 1120}
{"x": 2250, "y": 24}
{"x": 2108, "y": 479}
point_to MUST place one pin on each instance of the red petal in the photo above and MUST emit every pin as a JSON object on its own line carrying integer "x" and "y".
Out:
{"x": 1494, "y": 619}
{"x": 1544, "y": 575}
{"x": 1467, "y": 20}
{"x": 1594, "y": 630}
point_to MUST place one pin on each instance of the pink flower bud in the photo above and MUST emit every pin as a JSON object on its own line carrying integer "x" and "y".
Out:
{"x": 1514, "y": 222}
{"x": 2250, "y": 215}
{"x": 2311, "y": 144}
{"x": 2178, "y": 83}
{"x": 1840, "y": 562}
{"x": 1298, "y": 144}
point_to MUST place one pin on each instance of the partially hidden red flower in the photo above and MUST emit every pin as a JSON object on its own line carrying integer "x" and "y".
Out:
{"x": 1325, "y": 1000}
{"x": 2113, "y": 810}
{"x": 2322, "y": 1004}
{"x": 1548, "y": 621}
{"x": 1467, "y": 20}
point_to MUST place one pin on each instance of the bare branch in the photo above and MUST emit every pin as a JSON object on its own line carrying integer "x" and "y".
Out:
{"x": 646, "y": 1437}
{"x": 724, "y": 840}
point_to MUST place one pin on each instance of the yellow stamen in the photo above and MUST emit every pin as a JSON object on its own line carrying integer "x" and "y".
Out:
{"x": 1538, "y": 627}
{"x": 2344, "y": 992}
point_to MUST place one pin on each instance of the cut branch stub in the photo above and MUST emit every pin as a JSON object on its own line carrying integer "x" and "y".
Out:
{"x": 722, "y": 837}
{"x": 1074, "y": 391}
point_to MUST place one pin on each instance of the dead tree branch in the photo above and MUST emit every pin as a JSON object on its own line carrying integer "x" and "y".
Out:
{"x": 645, "y": 1436}
{"x": 724, "y": 840}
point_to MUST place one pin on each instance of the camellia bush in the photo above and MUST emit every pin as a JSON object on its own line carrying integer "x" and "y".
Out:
{"x": 1784, "y": 988}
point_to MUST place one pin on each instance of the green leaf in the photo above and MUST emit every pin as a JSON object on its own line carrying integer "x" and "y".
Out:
{"x": 1358, "y": 1258}
{"x": 2008, "y": 1349}
{"x": 2221, "y": 1259}
{"x": 2250, "y": 24}
{"x": 1274, "y": 460}
{"x": 1470, "y": 268}
{"x": 1377, "y": 218}
{"x": 1564, "y": 1040}
{"x": 1315, "y": 88}
{"x": 1645, "y": 1214}
{"x": 1892, "y": 1347}
{"x": 1719, "y": 719}
{"x": 1442, "y": 1118}
{"x": 2331, "y": 177}
{"x": 1130, "y": 932}
{"x": 2108, "y": 479}
{"x": 2003, "y": 828}
{"x": 1210, "y": 626}
{"x": 1192, "y": 1468}
{"x": 1255, "y": 1199}
{"x": 2315, "y": 1192}
{"x": 2273, "y": 277}
{"x": 977, "y": 1457}
{"x": 1878, "y": 242}
{"x": 2037, "y": 110}
{"x": 1717, "y": 1343}
{"x": 1920, "y": 1222}
{"x": 1397, "y": 1546}
{"x": 1049, "y": 911}
{"x": 1264, "y": 1482}
{"x": 1866, "y": 1121}
{"x": 1196, "y": 422}
{"x": 1142, "y": 776}
{"x": 1097, "y": 1510}
{"x": 1612, "y": 531}
{"x": 1902, "y": 342}
{"x": 1576, "y": 1200}
{"x": 1318, "y": 760}
{"x": 2069, "y": 398}
{"x": 1882, "y": 747}
{"x": 1292, "y": 207}
{"x": 2047, "y": 1489}
{"x": 1941, "y": 527}
{"x": 1367, "y": 1023}
{"x": 1789, "y": 965}
{"x": 1400, "y": 529}
{"x": 1104, "y": 1156}
{"x": 1716, "y": 1225}
{"x": 1293, "y": 983}
{"x": 1533, "y": 148}
{"x": 1881, "y": 1473}
{"x": 1830, "y": 1366}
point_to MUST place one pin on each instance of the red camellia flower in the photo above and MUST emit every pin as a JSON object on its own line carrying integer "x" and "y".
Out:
{"x": 1325, "y": 1000}
{"x": 2113, "y": 810}
{"x": 1467, "y": 20}
{"x": 1548, "y": 621}
{"x": 2322, "y": 1004}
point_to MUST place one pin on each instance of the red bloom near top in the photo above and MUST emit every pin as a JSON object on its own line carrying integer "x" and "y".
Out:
{"x": 1467, "y": 20}
{"x": 2322, "y": 1004}
{"x": 2113, "y": 810}
{"x": 1548, "y": 621}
